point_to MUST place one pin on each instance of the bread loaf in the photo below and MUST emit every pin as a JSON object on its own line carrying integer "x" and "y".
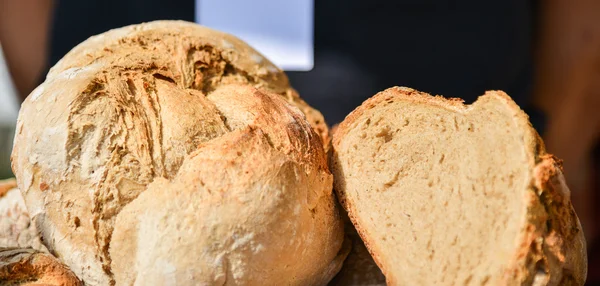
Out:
{"x": 16, "y": 229}
{"x": 28, "y": 267}
{"x": 448, "y": 194}
{"x": 166, "y": 154}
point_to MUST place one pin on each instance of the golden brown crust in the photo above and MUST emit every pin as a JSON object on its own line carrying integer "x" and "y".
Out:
{"x": 27, "y": 267}
{"x": 564, "y": 250}
{"x": 238, "y": 61}
{"x": 551, "y": 248}
{"x": 7, "y": 185}
{"x": 257, "y": 192}
{"x": 124, "y": 112}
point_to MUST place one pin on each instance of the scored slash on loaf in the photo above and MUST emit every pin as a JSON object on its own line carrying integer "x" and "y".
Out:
{"x": 166, "y": 153}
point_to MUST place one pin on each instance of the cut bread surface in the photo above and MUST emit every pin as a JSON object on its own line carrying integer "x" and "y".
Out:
{"x": 441, "y": 192}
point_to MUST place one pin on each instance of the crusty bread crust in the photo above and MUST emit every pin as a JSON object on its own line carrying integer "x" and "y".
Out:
{"x": 552, "y": 236}
{"x": 23, "y": 266}
{"x": 7, "y": 185}
{"x": 242, "y": 63}
{"x": 137, "y": 110}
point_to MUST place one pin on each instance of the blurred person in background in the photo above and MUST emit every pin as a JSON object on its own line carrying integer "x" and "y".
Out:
{"x": 8, "y": 116}
{"x": 545, "y": 54}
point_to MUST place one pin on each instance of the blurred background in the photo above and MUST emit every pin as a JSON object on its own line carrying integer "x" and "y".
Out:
{"x": 545, "y": 54}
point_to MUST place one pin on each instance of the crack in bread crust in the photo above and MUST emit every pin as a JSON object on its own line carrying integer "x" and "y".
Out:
{"x": 126, "y": 109}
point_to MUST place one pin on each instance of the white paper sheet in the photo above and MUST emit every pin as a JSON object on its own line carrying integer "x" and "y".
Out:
{"x": 282, "y": 30}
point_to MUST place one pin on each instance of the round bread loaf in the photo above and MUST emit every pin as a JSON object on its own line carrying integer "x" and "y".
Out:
{"x": 448, "y": 194}
{"x": 165, "y": 153}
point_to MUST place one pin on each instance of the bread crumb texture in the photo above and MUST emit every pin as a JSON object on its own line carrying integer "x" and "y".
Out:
{"x": 165, "y": 154}
{"x": 448, "y": 194}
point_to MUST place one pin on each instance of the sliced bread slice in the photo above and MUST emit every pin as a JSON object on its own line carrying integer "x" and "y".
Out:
{"x": 444, "y": 193}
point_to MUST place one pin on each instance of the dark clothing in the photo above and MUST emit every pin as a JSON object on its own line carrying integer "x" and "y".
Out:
{"x": 450, "y": 47}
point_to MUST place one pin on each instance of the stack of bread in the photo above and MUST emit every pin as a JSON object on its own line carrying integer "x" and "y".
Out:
{"x": 168, "y": 153}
